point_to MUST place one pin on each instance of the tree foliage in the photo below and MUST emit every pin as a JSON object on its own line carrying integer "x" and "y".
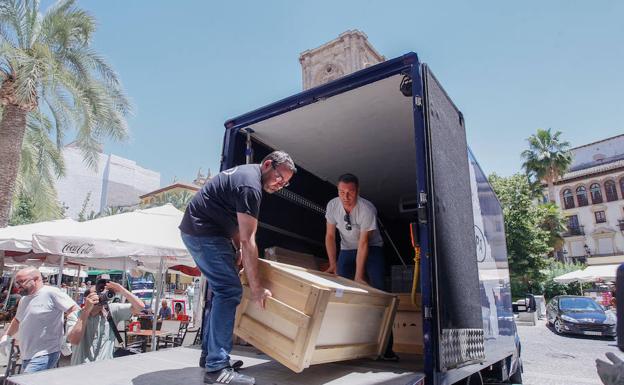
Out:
{"x": 52, "y": 82}
{"x": 23, "y": 213}
{"x": 527, "y": 240}
{"x": 179, "y": 199}
{"x": 546, "y": 159}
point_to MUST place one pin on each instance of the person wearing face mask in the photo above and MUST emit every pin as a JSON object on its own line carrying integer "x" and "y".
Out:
{"x": 219, "y": 230}
{"x": 39, "y": 321}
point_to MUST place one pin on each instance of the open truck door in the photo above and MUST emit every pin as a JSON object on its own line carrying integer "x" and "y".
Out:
{"x": 457, "y": 322}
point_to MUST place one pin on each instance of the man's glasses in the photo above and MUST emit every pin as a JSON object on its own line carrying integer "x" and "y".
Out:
{"x": 347, "y": 219}
{"x": 22, "y": 282}
{"x": 280, "y": 177}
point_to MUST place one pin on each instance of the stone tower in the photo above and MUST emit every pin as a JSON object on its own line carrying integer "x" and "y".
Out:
{"x": 348, "y": 53}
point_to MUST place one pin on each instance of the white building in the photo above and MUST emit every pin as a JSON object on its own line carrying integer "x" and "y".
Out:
{"x": 591, "y": 195}
{"x": 116, "y": 182}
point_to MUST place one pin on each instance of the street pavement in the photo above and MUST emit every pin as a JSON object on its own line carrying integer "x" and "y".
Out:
{"x": 550, "y": 359}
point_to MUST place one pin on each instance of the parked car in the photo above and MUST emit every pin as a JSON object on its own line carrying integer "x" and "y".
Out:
{"x": 580, "y": 315}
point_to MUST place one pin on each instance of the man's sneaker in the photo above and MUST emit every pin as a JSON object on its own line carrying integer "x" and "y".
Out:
{"x": 228, "y": 376}
{"x": 235, "y": 364}
{"x": 389, "y": 356}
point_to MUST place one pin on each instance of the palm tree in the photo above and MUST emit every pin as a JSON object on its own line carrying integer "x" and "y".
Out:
{"x": 547, "y": 158}
{"x": 179, "y": 199}
{"x": 48, "y": 65}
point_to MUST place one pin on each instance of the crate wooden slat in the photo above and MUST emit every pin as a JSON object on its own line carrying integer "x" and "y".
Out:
{"x": 407, "y": 328}
{"x": 314, "y": 317}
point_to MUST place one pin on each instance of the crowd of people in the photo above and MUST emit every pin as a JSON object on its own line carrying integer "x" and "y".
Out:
{"x": 48, "y": 322}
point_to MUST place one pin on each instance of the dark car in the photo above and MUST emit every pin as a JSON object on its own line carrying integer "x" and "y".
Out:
{"x": 580, "y": 315}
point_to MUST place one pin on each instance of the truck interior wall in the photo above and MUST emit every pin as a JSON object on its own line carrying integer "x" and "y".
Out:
{"x": 303, "y": 228}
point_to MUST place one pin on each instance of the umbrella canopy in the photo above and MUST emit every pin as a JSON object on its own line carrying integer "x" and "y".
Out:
{"x": 141, "y": 234}
{"x": 573, "y": 276}
{"x": 600, "y": 272}
{"x": 589, "y": 274}
{"x": 19, "y": 238}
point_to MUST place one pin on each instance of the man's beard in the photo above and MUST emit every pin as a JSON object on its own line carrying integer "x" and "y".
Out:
{"x": 25, "y": 291}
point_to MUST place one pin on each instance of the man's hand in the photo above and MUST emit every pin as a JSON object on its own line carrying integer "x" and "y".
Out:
{"x": 114, "y": 286}
{"x": 331, "y": 269}
{"x": 5, "y": 345}
{"x": 611, "y": 374}
{"x": 90, "y": 301}
{"x": 260, "y": 295}
{"x": 361, "y": 280}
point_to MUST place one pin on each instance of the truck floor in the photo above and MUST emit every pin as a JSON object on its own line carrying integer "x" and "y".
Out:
{"x": 179, "y": 366}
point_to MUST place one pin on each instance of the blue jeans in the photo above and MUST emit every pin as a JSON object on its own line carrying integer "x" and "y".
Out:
{"x": 39, "y": 363}
{"x": 375, "y": 270}
{"x": 216, "y": 259}
{"x": 375, "y": 265}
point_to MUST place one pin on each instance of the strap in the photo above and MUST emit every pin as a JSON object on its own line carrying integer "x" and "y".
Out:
{"x": 111, "y": 322}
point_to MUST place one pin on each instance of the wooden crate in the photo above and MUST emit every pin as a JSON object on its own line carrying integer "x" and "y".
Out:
{"x": 407, "y": 329}
{"x": 282, "y": 255}
{"x": 314, "y": 317}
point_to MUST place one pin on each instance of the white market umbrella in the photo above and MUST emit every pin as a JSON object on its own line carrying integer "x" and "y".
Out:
{"x": 600, "y": 272}
{"x": 19, "y": 238}
{"x": 573, "y": 276}
{"x": 146, "y": 236}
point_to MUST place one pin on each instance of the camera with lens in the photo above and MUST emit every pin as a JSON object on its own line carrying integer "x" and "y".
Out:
{"x": 104, "y": 295}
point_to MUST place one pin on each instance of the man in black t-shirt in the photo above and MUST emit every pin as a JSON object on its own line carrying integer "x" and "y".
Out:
{"x": 223, "y": 217}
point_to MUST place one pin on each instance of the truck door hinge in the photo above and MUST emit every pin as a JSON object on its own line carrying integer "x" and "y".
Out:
{"x": 422, "y": 207}
{"x": 428, "y": 311}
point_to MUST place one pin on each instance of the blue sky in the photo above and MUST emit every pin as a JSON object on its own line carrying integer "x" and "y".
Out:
{"x": 511, "y": 67}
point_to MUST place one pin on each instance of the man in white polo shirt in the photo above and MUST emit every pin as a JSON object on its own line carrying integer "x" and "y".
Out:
{"x": 361, "y": 255}
{"x": 39, "y": 321}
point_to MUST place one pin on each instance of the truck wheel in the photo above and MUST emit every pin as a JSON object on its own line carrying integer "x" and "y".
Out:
{"x": 516, "y": 378}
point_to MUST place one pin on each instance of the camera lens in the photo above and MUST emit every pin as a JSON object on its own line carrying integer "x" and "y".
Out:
{"x": 110, "y": 294}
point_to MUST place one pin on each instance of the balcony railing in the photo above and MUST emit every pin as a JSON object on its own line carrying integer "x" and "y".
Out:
{"x": 574, "y": 231}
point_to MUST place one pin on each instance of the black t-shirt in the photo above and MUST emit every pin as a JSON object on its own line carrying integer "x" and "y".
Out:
{"x": 212, "y": 211}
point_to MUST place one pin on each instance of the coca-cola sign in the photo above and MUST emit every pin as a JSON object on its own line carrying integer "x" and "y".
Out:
{"x": 78, "y": 248}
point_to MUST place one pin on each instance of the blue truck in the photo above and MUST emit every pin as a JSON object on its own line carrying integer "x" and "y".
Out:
{"x": 394, "y": 126}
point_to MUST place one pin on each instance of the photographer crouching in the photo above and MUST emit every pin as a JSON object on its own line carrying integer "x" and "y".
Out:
{"x": 90, "y": 331}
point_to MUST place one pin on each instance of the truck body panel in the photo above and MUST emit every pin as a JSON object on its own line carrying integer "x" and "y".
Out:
{"x": 406, "y": 143}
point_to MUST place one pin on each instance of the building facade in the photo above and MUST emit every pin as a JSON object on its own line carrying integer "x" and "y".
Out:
{"x": 591, "y": 196}
{"x": 348, "y": 53}
{"x": 117, "y": 182}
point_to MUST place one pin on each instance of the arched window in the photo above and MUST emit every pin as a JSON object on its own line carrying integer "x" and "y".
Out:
{"x": 610, "y": 191}
{"x": 568, "y": 199}
{"x": 596, "y": 193}
{"x": 581, "y": 196}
